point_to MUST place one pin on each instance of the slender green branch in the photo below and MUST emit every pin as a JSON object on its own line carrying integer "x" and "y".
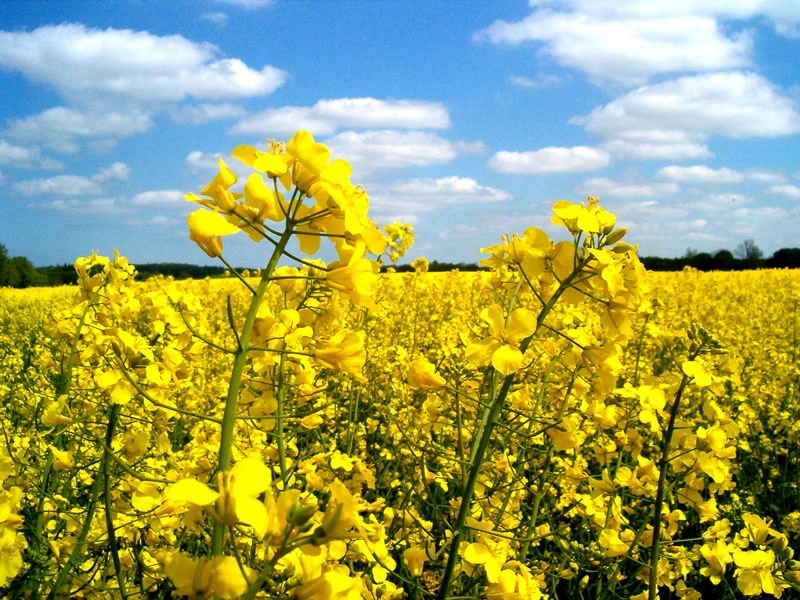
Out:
{"x": 235, "y": 383}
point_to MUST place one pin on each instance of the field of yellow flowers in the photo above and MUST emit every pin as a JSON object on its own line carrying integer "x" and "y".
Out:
{"x": 560, "y": 425}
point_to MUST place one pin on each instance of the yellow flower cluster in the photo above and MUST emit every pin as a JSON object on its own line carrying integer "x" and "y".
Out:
{"x": 557, "y": 425}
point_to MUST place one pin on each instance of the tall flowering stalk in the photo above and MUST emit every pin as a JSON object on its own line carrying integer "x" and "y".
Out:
{"x": 296, "y": 193}
{"x": 533, "y": 271}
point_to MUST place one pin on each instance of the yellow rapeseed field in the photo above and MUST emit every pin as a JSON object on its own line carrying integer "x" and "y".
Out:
{"x": 560, "y": 425}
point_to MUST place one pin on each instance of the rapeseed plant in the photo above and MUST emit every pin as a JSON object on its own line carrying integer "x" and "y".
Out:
{"x": 557, "y": 426}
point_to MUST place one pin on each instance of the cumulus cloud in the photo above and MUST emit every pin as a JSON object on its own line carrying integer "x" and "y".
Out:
{"x": 607, "y": 187}
{"x": 657, "y": 144}
{"x": 197, "y": 114}
{"x": 118, "y": 170}
{"x": 403, "y": 200}
{"x": 674, "y": 119}
{"x": 550, "y": 160}
{"x": 542, "y": 80}
{"x": 786, "y": 190}
{"x": 60, "y": 128}
{"x": 94, "y": 206}
{"x": 328, "y": 116}
{"x": 732, "y": 104}
{"x": 626, "y": 49}
{"x": 73, "y": 185}
{"x": 700, "y": 174}
{"x": 202, "y": 161}
{"x": 25, "y": 157}
{"x": 114, "y": 80}
{"x": 383, "y": 150}
{"x": 163, "y": 198}
{"x": 60, "y": 185}
{"x": 87, "y": 65}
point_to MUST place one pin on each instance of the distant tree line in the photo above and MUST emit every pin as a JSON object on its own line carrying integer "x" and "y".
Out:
{"x": 746, "y": 256}
{"x": 18, "y": 272}
{"x": 437, "y": 267}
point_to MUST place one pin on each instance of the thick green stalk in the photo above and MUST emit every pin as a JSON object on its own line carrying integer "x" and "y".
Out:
{"x": 239, "y": 362}
{"x": 487, "y": 427}
{"x": 97, "y": 487}
{"x": 660, "y": 491}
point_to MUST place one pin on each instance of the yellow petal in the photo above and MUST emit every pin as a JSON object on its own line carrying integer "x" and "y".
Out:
{"x": 192, "y": 491}
{"x": 521, "y": 323}
{"x": 507, "y": 359}
{"x": 250, "y": 477}
{"x": 477, "y": 553}
{"x": 252, "y": 511}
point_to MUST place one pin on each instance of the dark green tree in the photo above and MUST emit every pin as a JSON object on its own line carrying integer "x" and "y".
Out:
{"x": 20, "y": 273}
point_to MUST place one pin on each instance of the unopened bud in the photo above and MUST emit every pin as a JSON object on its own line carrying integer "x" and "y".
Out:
{"x": 616, "y": 236}
{"x": 299, "y": 514}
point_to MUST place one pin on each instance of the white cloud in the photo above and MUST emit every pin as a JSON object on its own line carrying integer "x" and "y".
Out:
{"x": 202, "y": 161}
{"x": 94, "y": 206}
{"x": 732, "y": 104}
{"x": 73, "y": 185}
{"x": 383, "y": 150}
{"x": 118, "y": 170}
{"x": 762, "y": 176}
{"x": 674, "y": 120}
{"x": 786, "y": 190}
{"x": 247, "y": 4}
{"x": 59, "y": 128}
{"x": 428, "y": 194}
{"x": 604, "y": 186}
{"x": 219, "y": 19}
{"x": 327, "y": 116}
{"x": 658, "y": 145}
{"x": 542, "y": 80}
{"x": 197, "y": 114}
{"x": 550, "y": 160}
{"x": 60, "y": 185}
{"x": 627, "y": 48}
{"x": 163, "y": 198}
{"x": 25, "y": 157}
{"x": 89, "y": 66}
{"x": 162, "y": 221}
{"x": 404, "y": 200}
{"x": 700, "y": 174}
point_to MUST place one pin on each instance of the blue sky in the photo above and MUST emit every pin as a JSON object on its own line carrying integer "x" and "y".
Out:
{"x": 466, "y": 118}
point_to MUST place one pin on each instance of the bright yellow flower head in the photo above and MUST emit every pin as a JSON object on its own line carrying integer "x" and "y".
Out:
{"x": 343, "y": 352}
{"x": 422, "y": 375}
{"x": 501, "y": 347}
{"x": 207, "y": 228}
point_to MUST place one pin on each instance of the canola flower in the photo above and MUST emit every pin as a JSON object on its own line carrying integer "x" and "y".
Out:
{"x": 554, "y": 427}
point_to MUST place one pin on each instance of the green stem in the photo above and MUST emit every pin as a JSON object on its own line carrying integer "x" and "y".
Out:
{"x": 239, "y": 362}
{"x": 487, "y": 426}
{"x": 660, "y": 491}
{"x": 97, "y": 487}
{"x": 112, "y": 538}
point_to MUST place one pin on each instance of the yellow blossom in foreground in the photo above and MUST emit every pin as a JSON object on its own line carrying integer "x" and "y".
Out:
{"x": 501, "y": 347}
{"x": 422, "y": 375}
{"x": 207, "y": 228}
{"x": 754, "y": 574}
{"x": 218, "y": 577}
{"x": 343, "y": 352}
{"x": 237, "y": 499}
